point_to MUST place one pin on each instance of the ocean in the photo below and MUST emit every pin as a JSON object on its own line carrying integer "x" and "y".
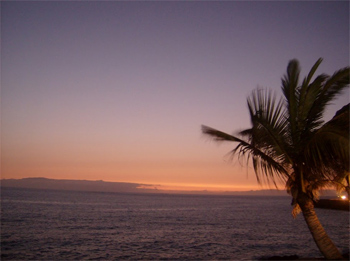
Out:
{"x": 66, "y": 225}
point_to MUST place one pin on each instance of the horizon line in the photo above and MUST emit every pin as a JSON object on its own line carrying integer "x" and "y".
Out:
{"x": 168, "y": 187}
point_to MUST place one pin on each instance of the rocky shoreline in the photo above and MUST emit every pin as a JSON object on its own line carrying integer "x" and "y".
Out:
{"x": 336, "y": 204}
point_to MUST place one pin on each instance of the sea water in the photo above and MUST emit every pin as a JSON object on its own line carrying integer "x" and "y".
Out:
{"x": 64, "y": 225}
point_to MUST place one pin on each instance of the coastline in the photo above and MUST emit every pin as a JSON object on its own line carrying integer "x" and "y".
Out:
{"x": 335, "y": 204}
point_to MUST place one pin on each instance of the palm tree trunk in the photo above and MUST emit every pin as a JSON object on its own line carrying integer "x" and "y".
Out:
{"x": 322, "y": 240}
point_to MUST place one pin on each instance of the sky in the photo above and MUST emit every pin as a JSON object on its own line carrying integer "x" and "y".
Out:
{"x": 118, "y": 91}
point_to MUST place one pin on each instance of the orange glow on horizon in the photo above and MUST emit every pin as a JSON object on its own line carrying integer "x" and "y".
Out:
{"x": 199, "y": 187}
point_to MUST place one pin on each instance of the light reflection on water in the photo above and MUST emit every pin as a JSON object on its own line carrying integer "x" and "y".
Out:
{"x": 39, "y": 224}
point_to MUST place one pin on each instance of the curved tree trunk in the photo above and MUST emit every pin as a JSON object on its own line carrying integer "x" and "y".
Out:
{"x": 322, "y": 240}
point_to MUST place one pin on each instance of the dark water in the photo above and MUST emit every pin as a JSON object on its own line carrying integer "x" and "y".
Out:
{"x": 61, "y": 225}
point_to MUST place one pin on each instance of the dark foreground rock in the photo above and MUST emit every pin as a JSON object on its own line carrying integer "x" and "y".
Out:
{"x": 333, "y": 204}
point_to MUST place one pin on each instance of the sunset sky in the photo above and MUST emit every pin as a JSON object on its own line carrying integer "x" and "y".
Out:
{"x": 117, "y": 91}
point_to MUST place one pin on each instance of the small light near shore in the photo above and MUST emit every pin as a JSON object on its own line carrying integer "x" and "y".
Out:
{"x": 343, "y": 197}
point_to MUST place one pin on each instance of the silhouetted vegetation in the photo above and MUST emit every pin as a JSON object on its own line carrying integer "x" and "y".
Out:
{"x": 289, "y": 141}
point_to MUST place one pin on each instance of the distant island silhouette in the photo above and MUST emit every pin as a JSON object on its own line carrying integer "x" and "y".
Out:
{"x": 125, "y": 187}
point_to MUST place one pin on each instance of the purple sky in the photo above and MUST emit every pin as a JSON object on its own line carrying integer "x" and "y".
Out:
{"x": 118, "y": 90}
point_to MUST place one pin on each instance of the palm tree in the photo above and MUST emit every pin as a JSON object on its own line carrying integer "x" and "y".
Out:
{"x": 289, "y": 142}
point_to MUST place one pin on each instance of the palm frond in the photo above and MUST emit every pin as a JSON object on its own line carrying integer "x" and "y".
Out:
{"x": 266, "y": 166}
{"x": 218, "y": 135}
{"x": 307, "y": 79}
{"x": 329, "y": 145}
{"x": 309, "y": 115}
{"x": 308, "y": 93}
{"x": 269, "y": 123}
{"x": 336, "y": 83}
{"x": 289, "y": 88}
{"x": 296, "y": 210}
{"x": 331, "y": 88}
{"x": 342, "y": 181}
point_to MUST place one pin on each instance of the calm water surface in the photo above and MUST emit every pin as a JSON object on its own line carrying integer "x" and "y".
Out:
{"x": 63, "y": 225}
